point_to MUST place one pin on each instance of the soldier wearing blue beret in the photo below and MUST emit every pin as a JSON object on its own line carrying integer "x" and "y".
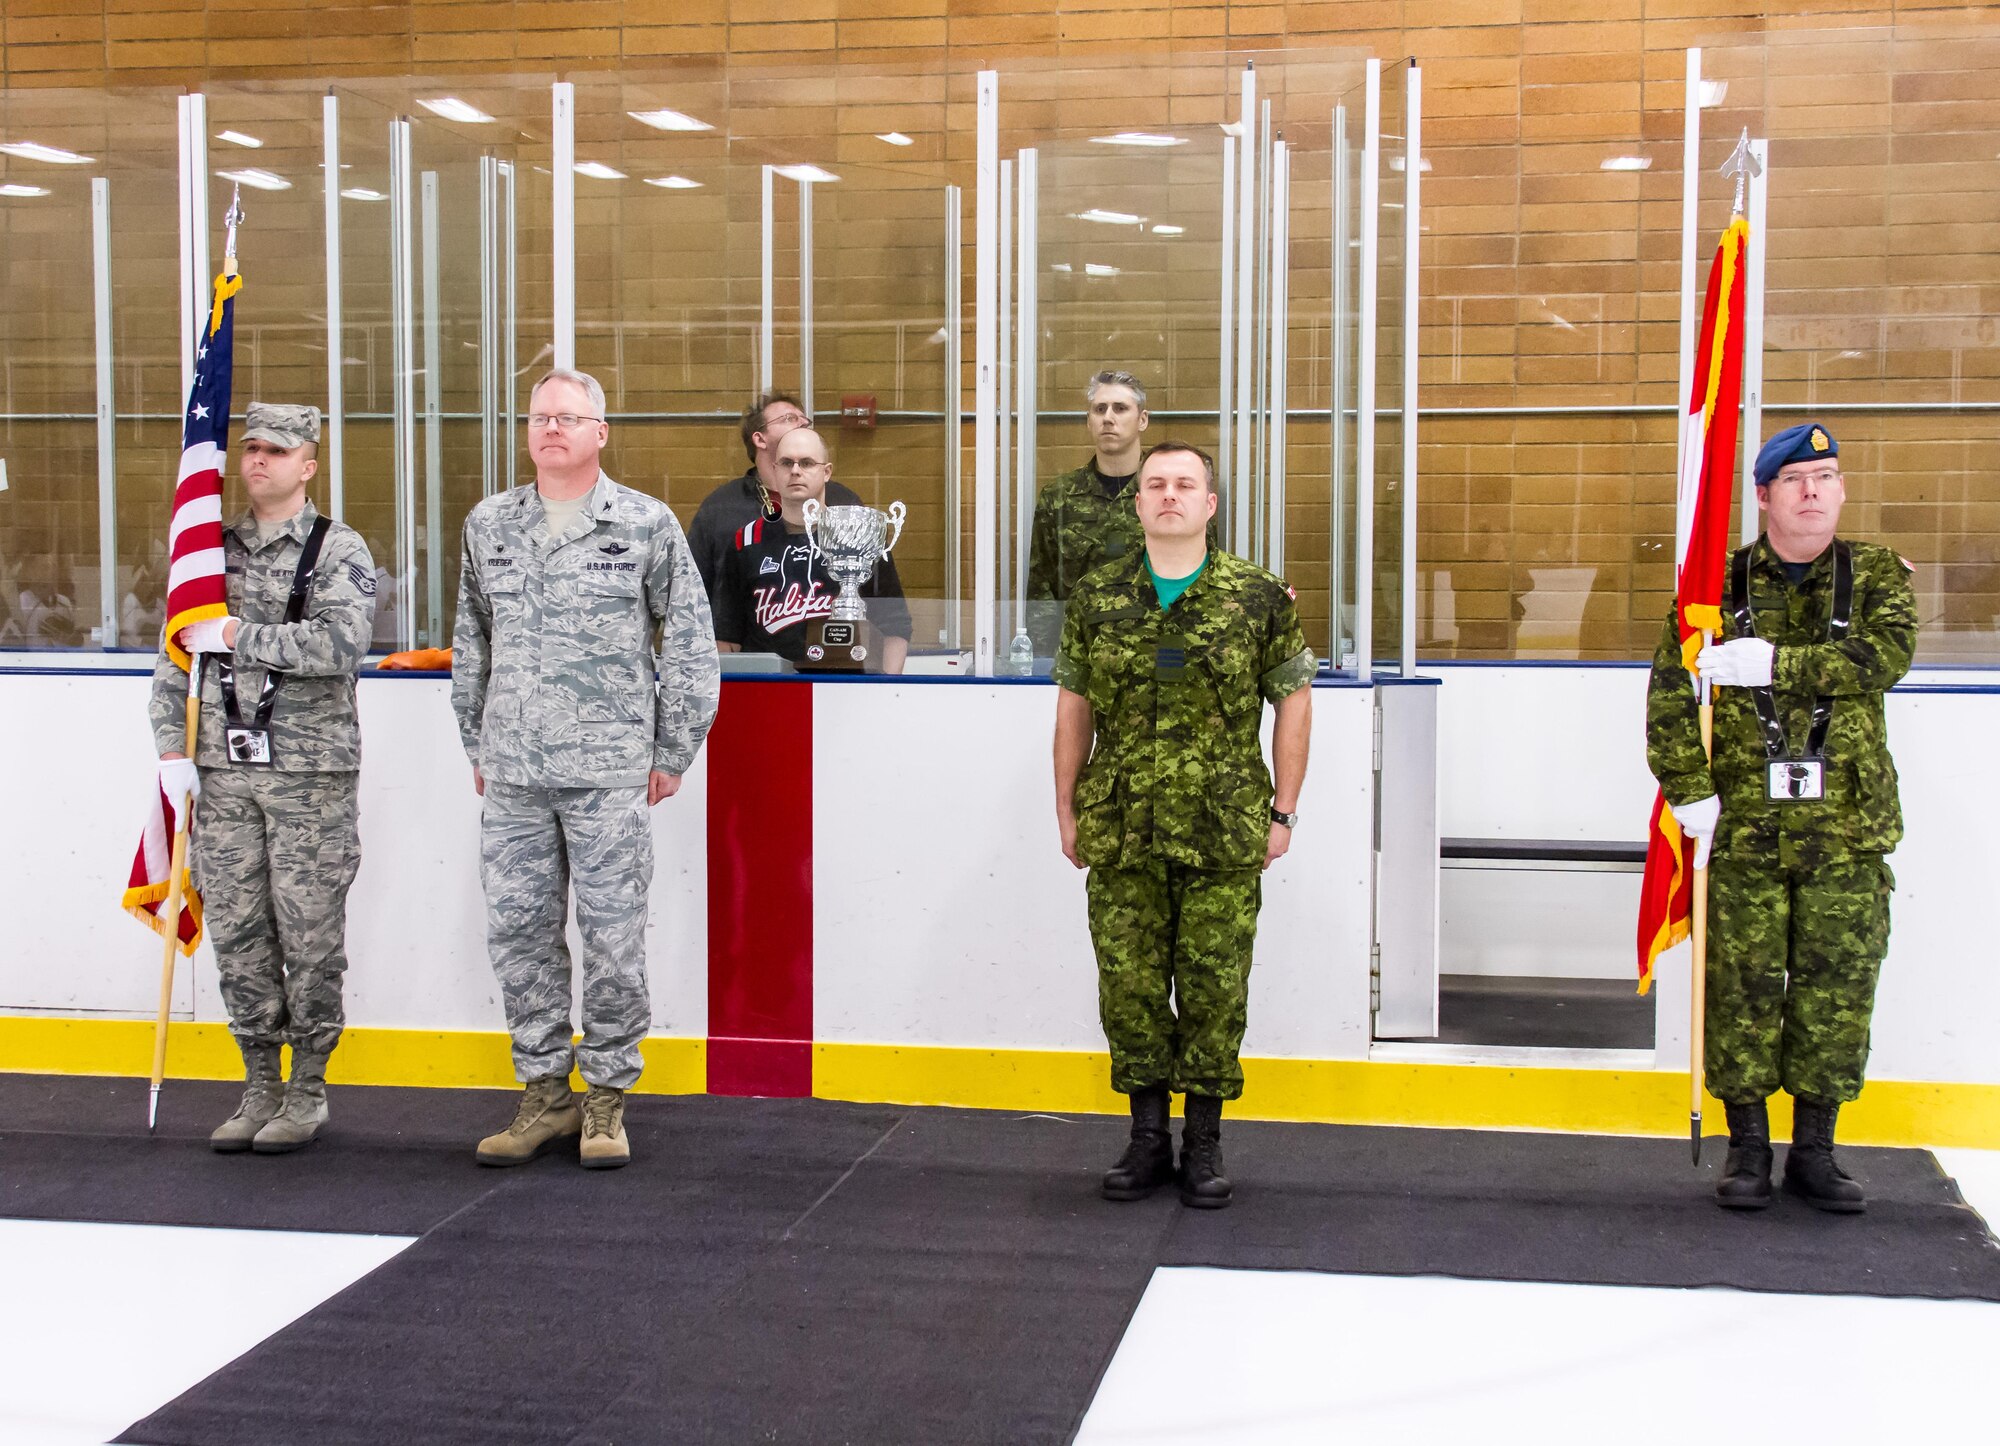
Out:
{"x": 1799, "y": 803}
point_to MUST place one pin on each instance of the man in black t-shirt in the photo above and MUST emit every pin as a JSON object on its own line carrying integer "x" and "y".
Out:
{"x": 723, "y": 512}
{"x": 771, "y": 583}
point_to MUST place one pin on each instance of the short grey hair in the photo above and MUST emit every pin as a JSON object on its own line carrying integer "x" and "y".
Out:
{"x": 1116, "y": 379}
{"x": 592, "y": 388}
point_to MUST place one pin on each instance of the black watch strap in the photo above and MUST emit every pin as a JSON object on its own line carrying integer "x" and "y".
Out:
{"x": 1289, "y": 820}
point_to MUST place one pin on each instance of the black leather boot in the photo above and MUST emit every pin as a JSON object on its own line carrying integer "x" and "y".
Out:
{"x": 1810, "y": 1171}
{"x": 1203, "y": 1185}
{"x": 1148, "y": 1161}
{"x": 1746, "y": 1176}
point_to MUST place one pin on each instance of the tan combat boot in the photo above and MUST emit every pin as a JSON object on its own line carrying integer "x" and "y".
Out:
{"x": 297, "y": 1125}
{"x": 263, "y": 1098}
{"x": 547, "y": 1116}
{"x": 604, "y": 1144}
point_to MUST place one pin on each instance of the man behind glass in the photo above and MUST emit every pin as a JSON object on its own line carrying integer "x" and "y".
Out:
{"x": 773, "y": 582}
{"x": 744, "y": 499}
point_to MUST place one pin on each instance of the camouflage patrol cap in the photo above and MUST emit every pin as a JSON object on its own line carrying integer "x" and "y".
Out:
{"x": 282, "y": 424}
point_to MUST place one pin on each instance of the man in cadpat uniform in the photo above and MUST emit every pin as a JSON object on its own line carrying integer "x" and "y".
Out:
{"x": 1168, "y": 657}
{"x": 1799, "y": 807}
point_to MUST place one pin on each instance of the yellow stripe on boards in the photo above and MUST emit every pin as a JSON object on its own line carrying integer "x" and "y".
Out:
{"x": 1360, "y": 1092}
{"x": 452, "y": 1059}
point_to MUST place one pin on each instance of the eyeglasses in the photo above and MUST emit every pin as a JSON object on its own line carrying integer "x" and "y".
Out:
{"x": 568, "y": 421}
{"x": 1825, "y": 477}
{"x": 799, "y": 464}
{"x": 793, "y": 419}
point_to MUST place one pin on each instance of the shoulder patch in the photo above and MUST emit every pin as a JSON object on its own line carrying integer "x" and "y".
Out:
{"x": 1908, "y": 566}
{"x": 362, "y": 578}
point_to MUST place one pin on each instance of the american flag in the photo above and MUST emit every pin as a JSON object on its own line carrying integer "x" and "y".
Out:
{"x": 195, "y": 587}
{"x": 196, "y": 590}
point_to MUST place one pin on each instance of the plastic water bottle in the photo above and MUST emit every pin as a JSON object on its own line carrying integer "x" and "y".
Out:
{"x": 1021, "y": 656}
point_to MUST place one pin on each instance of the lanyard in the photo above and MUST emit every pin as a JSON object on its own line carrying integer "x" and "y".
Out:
{"x": 1836, "y": 628}
{"x": 295, "y": 609}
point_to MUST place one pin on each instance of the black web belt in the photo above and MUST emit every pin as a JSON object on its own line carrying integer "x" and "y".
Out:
{"x": 1837, "y": 625}
{"x": 295, "y": 610}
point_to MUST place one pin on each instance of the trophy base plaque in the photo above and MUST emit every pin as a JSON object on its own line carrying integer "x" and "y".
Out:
{"x": 840, "y": 645}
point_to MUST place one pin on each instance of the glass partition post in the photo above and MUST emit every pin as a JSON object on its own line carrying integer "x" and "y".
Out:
{"x": 562, "y": 249}
{"x": 433, "y": 423}
{"x": 986, "y": 306}
{"x": 489, "y": 350}
{"x": 1004, "y": 463}
{"x": 106, "y": 630}
{"x": 767, "y": 321}
{"x": 1753, "y": 333}
{"x": 1338, "y": 450}
{"x": 1279, "y": 354}
{"x": 1364, "y": 429}
{"x": 1413, "y": 168}
{"x": 1225, "y": 407}
{"x": 1260, "y": 343}
{"x": 1246, "y": 320}
{"x": 510, "y": 372}
{"x": 402, "y": 374}
{"x": 954, "y": 414}
{"x": 805, "y": 185}
{"x": 1021, "y": 651}
{"x": 336, "y": 405}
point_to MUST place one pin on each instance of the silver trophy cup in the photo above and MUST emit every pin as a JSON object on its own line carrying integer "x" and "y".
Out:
{"x": 853, "y": 540}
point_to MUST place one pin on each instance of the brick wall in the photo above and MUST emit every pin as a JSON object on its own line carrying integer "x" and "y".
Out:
{"x": 1550, "y": 282}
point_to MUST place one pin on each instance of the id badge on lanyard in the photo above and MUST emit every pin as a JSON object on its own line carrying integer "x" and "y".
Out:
{"x": 248, "y": 745}
{"x": 1800, "y": 777}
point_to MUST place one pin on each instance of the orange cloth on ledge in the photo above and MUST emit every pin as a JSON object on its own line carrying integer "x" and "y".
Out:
{"x": 418, "y": 660}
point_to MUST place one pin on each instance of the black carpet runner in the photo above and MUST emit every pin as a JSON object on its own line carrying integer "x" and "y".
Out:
{"x": 798, "y": 1270}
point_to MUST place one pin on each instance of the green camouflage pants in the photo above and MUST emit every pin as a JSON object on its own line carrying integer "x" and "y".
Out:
{"x": 274, "y": 856}
{"x": 1793, "y": 956}
{"x": 1169, "y": 938}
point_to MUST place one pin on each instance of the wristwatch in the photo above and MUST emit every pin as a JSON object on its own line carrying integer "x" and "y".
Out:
{"x": 1289, "y": 820}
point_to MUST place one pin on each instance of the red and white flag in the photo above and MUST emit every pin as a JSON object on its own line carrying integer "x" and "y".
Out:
{"x": 1701, "y": 537}
{"x": 196, "y": 590}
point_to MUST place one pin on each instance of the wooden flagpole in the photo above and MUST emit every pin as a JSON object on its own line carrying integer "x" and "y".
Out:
{"x": 1698, "y": 938}
{"x": 170, "y": 915}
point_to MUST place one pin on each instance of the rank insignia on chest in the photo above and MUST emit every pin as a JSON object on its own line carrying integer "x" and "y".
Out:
{"x": 1170, "y": 660}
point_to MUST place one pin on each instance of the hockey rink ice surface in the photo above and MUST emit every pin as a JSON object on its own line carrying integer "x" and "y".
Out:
{"x": 948, "y": 1215}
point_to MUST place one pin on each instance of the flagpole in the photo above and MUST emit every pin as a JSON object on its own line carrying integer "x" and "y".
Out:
{"x": 1698, "y": 938}
{"x": 170, "y": 915}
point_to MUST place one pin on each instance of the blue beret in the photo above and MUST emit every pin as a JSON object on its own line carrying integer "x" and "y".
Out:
{"x": 1807, "y": 442}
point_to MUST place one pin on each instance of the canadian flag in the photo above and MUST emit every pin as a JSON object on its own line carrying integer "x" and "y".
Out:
{"x": 1701, "y": 555}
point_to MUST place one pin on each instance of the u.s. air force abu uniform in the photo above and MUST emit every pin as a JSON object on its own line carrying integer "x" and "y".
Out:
{"x": 1173, "y": 808}
{"x": 554, "y": 683}
{"x": 276, "y": 839}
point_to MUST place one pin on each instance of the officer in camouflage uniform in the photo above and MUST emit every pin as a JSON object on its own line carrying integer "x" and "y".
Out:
{"x": 276, "y": 839}
{"x": 1800, "y": 813}
{"x": 562, "y": 590}
{"x": 1085, "y": 518}
{"x": 1168, "y": 656}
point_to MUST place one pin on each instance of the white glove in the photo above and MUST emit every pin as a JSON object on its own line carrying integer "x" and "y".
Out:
{"x": 179, "y": 779}
{"x": 205, "y": 636}
{"x": 1697, "y": 821}
{"x": 1738, "y": 663}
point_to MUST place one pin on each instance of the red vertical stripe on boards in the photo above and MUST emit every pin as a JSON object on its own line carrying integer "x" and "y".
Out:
{"x": 760, "y": 892}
